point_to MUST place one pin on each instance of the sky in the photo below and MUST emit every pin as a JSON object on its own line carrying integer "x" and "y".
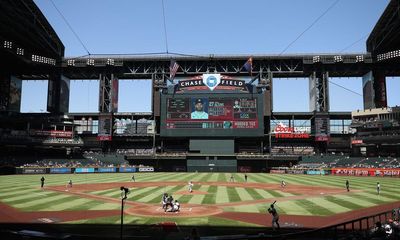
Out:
{"x": 211, "y": 27}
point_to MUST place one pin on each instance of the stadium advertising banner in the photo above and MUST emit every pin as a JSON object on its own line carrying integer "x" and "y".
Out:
{"x": 105, "y": 127}
{"x": 60, "y": 170}
{"x": 52, "y": 133}
{"x": 211, "y": 82}
{"x": 33, "y": 170}
{"x": 212, "y": 115}
{"x": 283, "y": 131}
{"x": 366, "y": 172}
{"x": 146, "y": 169}
{"x": 84, "y": 170}
{"x": 368, "y": 90}
{"x": 127, "y": 169}
{"x": 106, "y": 170}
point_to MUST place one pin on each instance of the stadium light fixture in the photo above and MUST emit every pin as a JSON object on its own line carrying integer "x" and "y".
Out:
{"x": 7, "y": 44}
{"x": 71, "y": 62}
{"x": 90, "y": 62}
{"x": 20, "y": 51}
{"x": 316, "y": 59}
{"x": 360, "y": 58}
{"x": 110, "y": 61}
{"x": 338, "y": 58}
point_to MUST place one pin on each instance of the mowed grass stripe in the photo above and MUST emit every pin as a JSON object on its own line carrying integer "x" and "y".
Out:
{"x": 233, "y": 195}
{"x": 46, "y": 203}
{"x": 221, "y": 177}
{"x": 393, "y": 196}
{"x": 243, "y": 194}
{"x": 198, "y": 199}
{"x": 185, "y": 198}
{"x": 291, "y": 208}
{"x": 342, "y": 202}
{"x": 198, "y": 177}
{"x": 264, "y": 193}
{"x": 205, "y": 177}
{"x": 253, "y": 193}
{"x": 356, "y": 200}
{"x": 144, "y": 193}
{"x": 41, "y": 201}
{"x": 313, "y": 208}
{"x": 375, "y": 199}
{"x": 210, "y": 197}
{"x": 103, "y": 192}
{"x": 222, "y": 195}
{"x": 68, "y": 205}
{"x": 331, "y": 206}
{"x": 29, "y": 198}
{"x": 261, "y": 178}
{"x": 244, "y": 208}
{"x": 105, "y": 206}
{"x": 28, "y": 195}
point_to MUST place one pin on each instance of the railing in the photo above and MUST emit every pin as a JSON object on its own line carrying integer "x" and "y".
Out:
{"x": 355, "y": 226}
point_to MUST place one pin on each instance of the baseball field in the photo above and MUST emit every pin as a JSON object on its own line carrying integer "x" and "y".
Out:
{"x": 306, "y": 201}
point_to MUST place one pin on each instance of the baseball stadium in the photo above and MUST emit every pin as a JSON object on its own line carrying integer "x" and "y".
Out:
{"x": 212, "y": 160}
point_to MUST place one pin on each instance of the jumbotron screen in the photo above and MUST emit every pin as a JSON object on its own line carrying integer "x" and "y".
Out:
{"x": 215, "y": 115}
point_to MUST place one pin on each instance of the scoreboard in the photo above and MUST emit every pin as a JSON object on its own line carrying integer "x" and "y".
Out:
{"x": 215, "y": 115}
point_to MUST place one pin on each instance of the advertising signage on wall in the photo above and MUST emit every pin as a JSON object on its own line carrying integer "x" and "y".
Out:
{"x": 211, "y": 82}
{"x": 283, "y": 131}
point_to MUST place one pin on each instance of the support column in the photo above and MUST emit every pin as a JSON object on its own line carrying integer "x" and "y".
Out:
{"x": 158, "y": 84}
{"x": 265, "y": 82}
{"x": 108, "y": 96}
{"x": 319, "y": 92}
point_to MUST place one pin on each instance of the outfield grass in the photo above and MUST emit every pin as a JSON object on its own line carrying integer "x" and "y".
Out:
{"x": 23, "y": 192}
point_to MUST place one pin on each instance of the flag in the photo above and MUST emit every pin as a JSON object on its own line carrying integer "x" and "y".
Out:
{"x": 173, "y": 68}
{"x": 249, "y": 65}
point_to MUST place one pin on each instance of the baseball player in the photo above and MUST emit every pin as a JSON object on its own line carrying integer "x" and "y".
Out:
{"x": 232, "y": 179}
{"x": 177, "y": 206}
{"x": 133, "y": 177}
{"x": 275, "y": 216}
{"x": 378, "y": 188}
{"x": 164, "y": 201}
{"x": 283, "y": 184}
{"x": 190, "y": 186}
{"x": 42, "y": 182}
{"x": 348, "y": 185}
{"x": 245, "y": 177}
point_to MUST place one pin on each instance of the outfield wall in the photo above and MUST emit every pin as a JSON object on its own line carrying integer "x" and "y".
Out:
{"x": 377, "y": 172}
{"x": 46, "y": 170}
